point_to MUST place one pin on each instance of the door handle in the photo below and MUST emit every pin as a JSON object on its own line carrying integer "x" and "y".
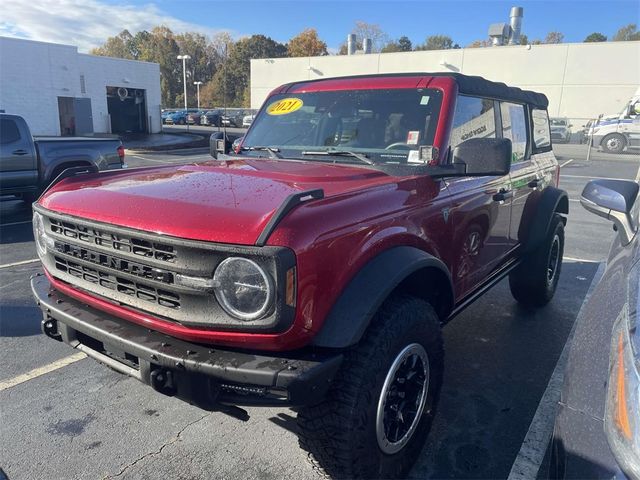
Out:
{"x": 19, "y": 152}
{"x": 534, "y": 183}
{"x": 502, "y": 195}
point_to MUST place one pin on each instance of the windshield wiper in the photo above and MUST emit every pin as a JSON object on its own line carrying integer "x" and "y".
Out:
{"x": 273, "y": 152}
{"x": 342, "y": 153}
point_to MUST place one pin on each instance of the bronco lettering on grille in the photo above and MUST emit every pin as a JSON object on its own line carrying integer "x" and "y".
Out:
{"x": 115, "y": 263}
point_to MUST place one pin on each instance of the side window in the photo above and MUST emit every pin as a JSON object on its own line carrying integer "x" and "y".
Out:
{"x": 541, "y": 135}
{"x": 9, "y": 132}
{"x": 473, "y": 118}
{"x": 514, "y": 127}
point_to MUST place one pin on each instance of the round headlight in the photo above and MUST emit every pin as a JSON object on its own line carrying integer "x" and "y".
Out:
{"x": 243, "y": 288}
{"x": 39, "y": 233}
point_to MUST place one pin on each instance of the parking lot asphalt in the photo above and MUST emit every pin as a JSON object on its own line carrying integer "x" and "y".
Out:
{"x": 82, "y": 420}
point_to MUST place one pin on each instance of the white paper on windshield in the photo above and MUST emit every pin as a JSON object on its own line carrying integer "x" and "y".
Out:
{"x": 412, "y": 137}
{"x": 424, "y": 100}
{"x": 414, "y": 157}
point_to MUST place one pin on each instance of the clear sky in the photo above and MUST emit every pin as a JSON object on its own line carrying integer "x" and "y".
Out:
{"x": 87, "y": 23}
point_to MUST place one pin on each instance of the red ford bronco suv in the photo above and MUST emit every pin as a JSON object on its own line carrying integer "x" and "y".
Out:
{"x": 315, "y": 263}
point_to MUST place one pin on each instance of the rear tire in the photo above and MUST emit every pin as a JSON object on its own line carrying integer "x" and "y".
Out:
{"x": 378, "y": 412}
{"x": 613, "y": 143}
{"x": 533, "y": 283}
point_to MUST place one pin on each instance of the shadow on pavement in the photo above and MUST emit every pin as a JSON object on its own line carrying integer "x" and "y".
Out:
{"x": 19, "y": 320}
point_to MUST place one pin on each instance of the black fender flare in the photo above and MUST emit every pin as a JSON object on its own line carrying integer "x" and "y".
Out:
{"x": 535, "y": 224}
{"x": 351, "y": 314}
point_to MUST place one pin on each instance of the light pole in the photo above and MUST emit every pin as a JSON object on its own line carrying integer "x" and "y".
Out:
{"x": 197, "y": 84}
{"x": 184, "y": 59}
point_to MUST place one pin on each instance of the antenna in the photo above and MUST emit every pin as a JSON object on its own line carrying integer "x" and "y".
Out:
{"x": 224, "y": 95}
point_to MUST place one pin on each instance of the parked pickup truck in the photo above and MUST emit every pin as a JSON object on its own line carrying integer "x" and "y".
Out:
{"x": 28, "y": 165}
{"x": 315, "y": 263}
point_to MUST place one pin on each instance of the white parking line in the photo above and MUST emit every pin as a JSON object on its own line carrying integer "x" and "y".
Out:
{"x": 150, "y": 159}
{"x": 15, "y": 223}
{"x": 593, "y": 178}
{"x": 581, "y": 260}
{"x": 23, "y": 262}
{"x": 566, "y": 163}
{"x": 38, "y": 372}
{"x": 531, "y": 454}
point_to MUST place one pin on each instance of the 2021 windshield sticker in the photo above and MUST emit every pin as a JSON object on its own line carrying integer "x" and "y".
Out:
{"x": 284, "y": 106}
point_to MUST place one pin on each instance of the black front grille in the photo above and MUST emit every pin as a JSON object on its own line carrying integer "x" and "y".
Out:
{"x": 117, "y": 283}
{"x": 118, "y": 242}
{"x": 115, "y": 263}
{"x": 142, "y": 270}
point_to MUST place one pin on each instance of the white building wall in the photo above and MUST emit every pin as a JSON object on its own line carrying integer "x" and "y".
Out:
{"x": 581, "y": 80}
{"x": 34, "y": 74}
{"x": 100, "y": 72}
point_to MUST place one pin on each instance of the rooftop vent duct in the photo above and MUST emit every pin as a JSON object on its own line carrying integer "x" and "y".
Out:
{"x": 499, "y": 33}
{"x": 515, "y": 22}
{"x": 367, "y": 46}
{"x": 351, "y": 44}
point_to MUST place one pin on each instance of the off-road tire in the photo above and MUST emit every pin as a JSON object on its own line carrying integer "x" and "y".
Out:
{"x": 339, "y": 433}
{"x": 531, "y": 282}
{"x": 613, "y": 143}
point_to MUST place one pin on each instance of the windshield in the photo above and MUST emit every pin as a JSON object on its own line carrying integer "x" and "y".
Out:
{"x": 556, "y": 122}
{"x": 385, "y": 126}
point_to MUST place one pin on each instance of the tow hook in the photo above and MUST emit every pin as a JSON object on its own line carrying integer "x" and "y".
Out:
{"x": 162, "y": 381}
{"x": 50, "y": 329}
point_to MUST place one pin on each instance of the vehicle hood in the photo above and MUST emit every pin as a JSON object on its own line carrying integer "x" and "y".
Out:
{"x": 218, "y": 201}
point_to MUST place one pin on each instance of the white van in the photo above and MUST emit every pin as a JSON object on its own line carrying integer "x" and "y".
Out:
{"x": 615, "y": 133}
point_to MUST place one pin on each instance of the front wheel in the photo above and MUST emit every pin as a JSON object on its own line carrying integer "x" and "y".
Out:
{"x": 533, "y": 283}
{"x": 378, "y": 412}
{"x": 613, "y": 143}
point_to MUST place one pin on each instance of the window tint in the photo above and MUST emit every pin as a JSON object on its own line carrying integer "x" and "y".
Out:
{"x": 9, "y": 132}
{"x": 514, "y": 127}
{"x": 473, "y": 118}
{"x": 541, "y": 135}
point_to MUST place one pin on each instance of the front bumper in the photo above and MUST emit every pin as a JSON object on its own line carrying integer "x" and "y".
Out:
{"x": 196, "y": 373}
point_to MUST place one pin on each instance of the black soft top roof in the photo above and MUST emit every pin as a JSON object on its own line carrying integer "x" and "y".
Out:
{"x": 467, "y": 84}
{"x": 472, "y": 85}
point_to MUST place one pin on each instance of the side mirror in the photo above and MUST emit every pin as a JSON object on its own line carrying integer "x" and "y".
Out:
{"x": 613, "y": 200}
{"x": 219, "y": 144}
{"x": 483, "y": 156}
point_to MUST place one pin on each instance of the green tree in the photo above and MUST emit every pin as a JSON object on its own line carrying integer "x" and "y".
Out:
{"x": 162, "y": 46}
{"x": 306, "y": 44}
{"x": 231, "y": 80}
{"x": 202, "y": 64}
{"x": 479, "y": 44}
{"x": 524, "y": 39}
{"x": 437, "y": 42}
{"x": 626, "y": 33}
{"x": 403, "y": 44}
{"x": 120, "y": 46}
{"x": 554, "y": 37}
{"x": 595, "y": 37}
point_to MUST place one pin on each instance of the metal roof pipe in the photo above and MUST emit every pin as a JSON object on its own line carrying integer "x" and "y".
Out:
{"x": 367, "y": 45}
{"x": 351, "y": 44}
{"x": 515, "y": 21}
